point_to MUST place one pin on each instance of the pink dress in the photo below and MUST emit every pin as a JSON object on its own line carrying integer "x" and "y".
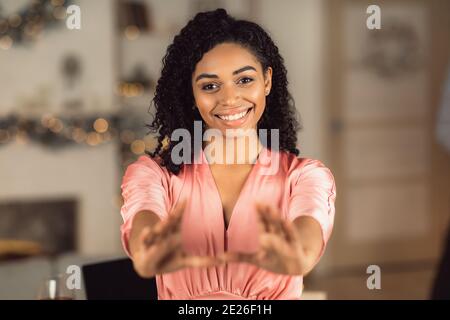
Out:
{"x": 299, "y": 187}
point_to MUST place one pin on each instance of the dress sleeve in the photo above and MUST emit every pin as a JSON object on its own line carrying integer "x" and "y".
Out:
{"x": 313, "y": 194}
{"x": 144, "y": 187}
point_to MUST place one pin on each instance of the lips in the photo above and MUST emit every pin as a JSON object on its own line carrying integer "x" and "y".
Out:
{"x": 233, "y": 115}
{"x": 236, "y": 119}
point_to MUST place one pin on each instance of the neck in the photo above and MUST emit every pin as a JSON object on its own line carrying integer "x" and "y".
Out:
{"x": 236, "y": 149}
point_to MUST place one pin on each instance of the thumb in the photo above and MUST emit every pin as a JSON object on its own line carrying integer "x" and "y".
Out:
{"x": 145, "y": 236}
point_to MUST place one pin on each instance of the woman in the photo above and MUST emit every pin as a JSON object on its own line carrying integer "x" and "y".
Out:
{"x": 211, "y": 229}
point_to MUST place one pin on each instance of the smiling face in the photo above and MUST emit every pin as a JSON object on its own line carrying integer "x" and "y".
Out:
{"x": 230, "y": 88}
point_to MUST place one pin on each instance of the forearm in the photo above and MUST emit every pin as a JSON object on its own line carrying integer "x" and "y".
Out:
{"x": 309, "y": 235}
{"x": 141, "y": 220}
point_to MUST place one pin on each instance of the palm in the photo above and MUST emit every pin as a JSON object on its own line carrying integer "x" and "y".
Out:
{"x": 280, "y": 250}
{"x": 161, "y": 249}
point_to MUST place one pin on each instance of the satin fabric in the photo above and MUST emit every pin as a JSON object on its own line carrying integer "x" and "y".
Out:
{"x": 297, "y": 186}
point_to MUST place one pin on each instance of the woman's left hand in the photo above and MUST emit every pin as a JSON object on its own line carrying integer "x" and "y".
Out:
{"x": 280, "y": 249}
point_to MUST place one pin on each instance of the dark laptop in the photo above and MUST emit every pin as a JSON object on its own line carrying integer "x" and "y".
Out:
{"x": 117, "y": 280}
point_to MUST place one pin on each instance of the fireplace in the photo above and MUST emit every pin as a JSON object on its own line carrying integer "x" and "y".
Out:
{"x": 51, "y": 224}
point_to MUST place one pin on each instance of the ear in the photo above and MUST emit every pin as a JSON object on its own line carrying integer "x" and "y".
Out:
{"x": 268, "y": 80}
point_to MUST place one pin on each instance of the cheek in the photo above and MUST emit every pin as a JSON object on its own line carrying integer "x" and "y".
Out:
{"x": 259, "y": 99}
{"x": 204, "y": 102}
{"x": 256, "y": 95}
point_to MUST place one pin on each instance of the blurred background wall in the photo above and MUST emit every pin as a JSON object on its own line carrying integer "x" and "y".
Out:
{"x": 74, "y": 103}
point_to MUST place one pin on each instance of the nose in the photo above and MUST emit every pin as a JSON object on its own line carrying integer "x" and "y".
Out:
{"x": 229, "y": 95}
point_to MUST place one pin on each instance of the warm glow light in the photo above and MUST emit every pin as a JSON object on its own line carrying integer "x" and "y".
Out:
{"x": 79, "y": 135}
{"x": 137, "y": 147}
{"x": 59, "y": 12}
{"x": 150, "y": 142}
{"x": 56, "y": 125}
{"x": 130, "y": 89}
{"x": 15, "y": 20}
{"x": 93, "y": 139}
{"x": 45, "y": 120}
{"x": 33, "y": 30}
{"x": 21, "y": 137}
{"x": 6, "y": 42}
{"x": 132, "y": 32}
{"x": 101, "y": 125}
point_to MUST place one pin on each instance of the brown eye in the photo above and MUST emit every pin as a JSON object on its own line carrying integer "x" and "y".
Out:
{"x": 245, "y": 80}
{"x": 209, "y": 87}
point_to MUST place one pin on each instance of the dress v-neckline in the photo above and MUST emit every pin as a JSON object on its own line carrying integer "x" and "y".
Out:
{"x": 241, "y": 192}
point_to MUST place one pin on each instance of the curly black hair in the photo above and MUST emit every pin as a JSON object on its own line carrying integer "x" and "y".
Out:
{"x": 174, "y": 99}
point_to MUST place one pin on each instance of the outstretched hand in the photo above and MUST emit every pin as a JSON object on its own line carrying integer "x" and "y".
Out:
{"x": 280, "y": 249}
{"x": 160, "y": 248}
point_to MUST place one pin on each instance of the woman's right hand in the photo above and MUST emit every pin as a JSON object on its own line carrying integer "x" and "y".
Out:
{"x": 160, "y": 250}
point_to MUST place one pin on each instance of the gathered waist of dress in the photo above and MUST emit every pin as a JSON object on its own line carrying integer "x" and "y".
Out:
{"x": 221, "y": 295}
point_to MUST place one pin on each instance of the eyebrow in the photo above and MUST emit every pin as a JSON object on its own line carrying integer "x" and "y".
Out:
{"x": 206, "y": 75}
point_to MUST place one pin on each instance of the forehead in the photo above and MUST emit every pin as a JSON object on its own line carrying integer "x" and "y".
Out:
{"x": 226, "y": 58}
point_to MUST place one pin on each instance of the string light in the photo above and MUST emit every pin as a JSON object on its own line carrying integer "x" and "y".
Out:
{"x": 101, "y": 125}
{"x": 54, "y": 131}
{"x": 6, "y": 42}
{"x": 78, "y": 135}
{"x": 93, "y": 138}
{"x": 59, "y": 12}
{"x": 21, "y": 137}
{"x": 132, "y": 32}
{"x": 137, "y": 147}
{"x": 150, "y": 143}
{"x": 130, "y": 89}
{"x": 56, "y": 125}
{"x": 28, "y": 23}
{"x": 15, "y": 20}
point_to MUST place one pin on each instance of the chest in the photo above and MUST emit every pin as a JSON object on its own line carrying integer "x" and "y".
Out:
{"x": 230, "y": 182}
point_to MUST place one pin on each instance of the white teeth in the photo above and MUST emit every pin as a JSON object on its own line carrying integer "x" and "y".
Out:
{"x": 234, "y": 116}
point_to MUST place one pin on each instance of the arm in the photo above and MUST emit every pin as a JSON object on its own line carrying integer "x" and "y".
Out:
{"x": 286, "y": 247}
{"x": 156, "y": 246}
{"x": 310, "y": 236}
{"x": 140, "y": 221}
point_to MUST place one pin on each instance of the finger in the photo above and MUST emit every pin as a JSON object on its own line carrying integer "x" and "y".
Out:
{"x": 261, "y": 209}
{"x": 270, "y": 223}
{"x": 200, "y": 261}
{"x": 275, "y": 219}
{"x": 145, "y": 238}
{"x": 239, "y": 257}
{"x": 169, "y": 226}
{"x": 261, "y": 225}
{"x": 266, "y": 241}
{"x": 154, "y": 235}
{"x": 157, "y": 232}
{"x": 177, "y": 215}
{"x": 173, "y": 220}
{"x": 165, "y": 252}
{"x": 274, "y": 244}
{"x": 260, "y": 220}
{"x": 289, "y": 229}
